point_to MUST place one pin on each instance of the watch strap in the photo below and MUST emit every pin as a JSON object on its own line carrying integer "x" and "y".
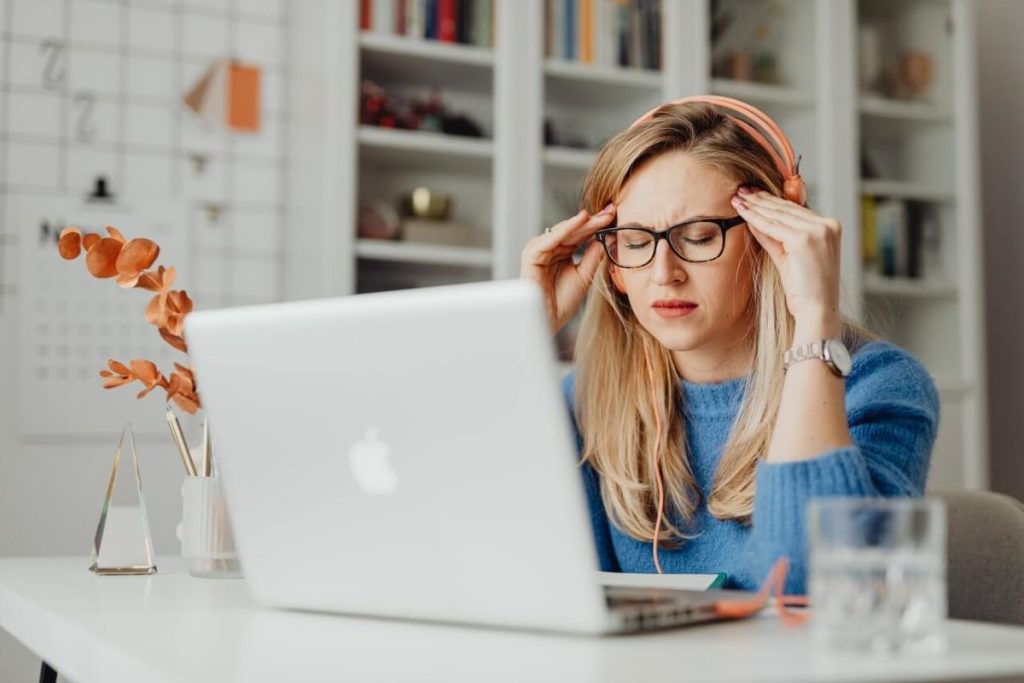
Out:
{"x": 805, "y": 351}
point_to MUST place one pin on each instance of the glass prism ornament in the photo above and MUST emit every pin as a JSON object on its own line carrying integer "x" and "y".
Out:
{"x": 122, "y": 544}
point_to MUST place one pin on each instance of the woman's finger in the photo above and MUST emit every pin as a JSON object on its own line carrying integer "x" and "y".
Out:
{"x": 771, "y": 245}
{"x": 785, "y": 217}
{"x": 783, "y": 228}
{"x": 758, "y": 197}
{"x": 588, "y": 264}
{"x": 569, "y": 234}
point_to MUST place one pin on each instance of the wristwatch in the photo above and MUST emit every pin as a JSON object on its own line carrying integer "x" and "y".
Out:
{"x": 832, "y": 351}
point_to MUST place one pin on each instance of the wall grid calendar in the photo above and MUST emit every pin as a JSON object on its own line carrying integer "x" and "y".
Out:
{"x": 93, "y": 132}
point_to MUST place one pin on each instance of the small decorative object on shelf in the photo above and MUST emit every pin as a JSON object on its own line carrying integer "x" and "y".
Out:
{"x": 425, "y": 203}
{"x": 909, "y": 77}
{"x": 750, "y": 50}
{"x": 378, "y": 220}
{"x": 122, "y": 544}
{"x": 377, "y": 108}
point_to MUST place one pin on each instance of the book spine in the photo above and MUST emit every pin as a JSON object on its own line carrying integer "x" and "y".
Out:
{"x": 401, "y": 18}
{"x": 430, "y": 20}
{"x": 623, "y": 32}
{"x": 868, "y": 232}
{"x": 414, "y": 18}
{"x": 462, "y": 26}
{"x": 446, "y": 20}
{"x": 383, "y": 16}
{"x": 569, "y": 29}
{"x": 635, "y": 39}
{"x": 557, "y": 21}
{"x": 586, "y": 30}
{"x": 482, "y": 19}
{"x": 915, "y": 220}
{"x": 365, "y": 14}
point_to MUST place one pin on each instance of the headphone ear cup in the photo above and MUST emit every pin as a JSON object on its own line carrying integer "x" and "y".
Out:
{"x": 795, "y": 190}
{"x": 620, "y": 285}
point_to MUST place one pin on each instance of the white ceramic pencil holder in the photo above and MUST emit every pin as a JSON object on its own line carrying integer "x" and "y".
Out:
{"x": 206, "y": 536}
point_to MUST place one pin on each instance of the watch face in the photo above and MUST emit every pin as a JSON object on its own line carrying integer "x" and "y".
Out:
{"x": 840, "y": 356}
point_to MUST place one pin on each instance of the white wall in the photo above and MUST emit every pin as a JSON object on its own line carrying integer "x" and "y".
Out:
{"x": 1001, "y": 113}
{"x": 135, "y": 58}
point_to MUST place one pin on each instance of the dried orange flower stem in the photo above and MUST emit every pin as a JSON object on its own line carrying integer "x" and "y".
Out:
{"x": 127, "y": 261}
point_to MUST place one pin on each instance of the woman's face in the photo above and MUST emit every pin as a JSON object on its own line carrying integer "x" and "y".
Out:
{"x": 667, "y": 190}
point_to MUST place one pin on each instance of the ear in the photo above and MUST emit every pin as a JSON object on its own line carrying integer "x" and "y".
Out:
{"x": 617, "y": 278}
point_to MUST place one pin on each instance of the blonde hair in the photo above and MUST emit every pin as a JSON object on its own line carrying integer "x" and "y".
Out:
{"x": 613, "y": 399}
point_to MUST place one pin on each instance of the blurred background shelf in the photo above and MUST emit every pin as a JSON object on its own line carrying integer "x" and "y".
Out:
{"x": 905, "y": 190}
{"x": 762, "y": 94}
{"x": 907, "y": 287}
{"x": 882, "y": 107}
{"x": 408, "y": 252}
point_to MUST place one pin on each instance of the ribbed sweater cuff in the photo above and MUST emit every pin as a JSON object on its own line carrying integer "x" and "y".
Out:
{"x": 783, "y": 489}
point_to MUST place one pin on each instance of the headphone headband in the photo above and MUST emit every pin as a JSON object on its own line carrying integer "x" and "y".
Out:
{"x": 770, "y": 137}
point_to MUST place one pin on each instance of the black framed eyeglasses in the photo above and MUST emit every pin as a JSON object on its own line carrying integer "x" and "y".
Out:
{"x": 697, "y": 241}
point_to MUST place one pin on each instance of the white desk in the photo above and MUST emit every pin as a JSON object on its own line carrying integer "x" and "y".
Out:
{"x": 172, "y": 627}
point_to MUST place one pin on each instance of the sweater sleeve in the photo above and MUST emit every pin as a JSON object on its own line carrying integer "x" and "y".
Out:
{"x": 595, "y": 505}
{"x": 892, "y": 409}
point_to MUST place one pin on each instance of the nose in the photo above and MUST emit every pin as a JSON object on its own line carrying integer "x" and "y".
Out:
{"x": 667, "y": 268}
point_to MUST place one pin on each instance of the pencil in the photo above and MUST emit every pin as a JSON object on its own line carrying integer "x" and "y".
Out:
{"x": 180, "y": 443}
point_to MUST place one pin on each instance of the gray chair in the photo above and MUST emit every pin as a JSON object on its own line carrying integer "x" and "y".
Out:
{"x": 986, "y": 556}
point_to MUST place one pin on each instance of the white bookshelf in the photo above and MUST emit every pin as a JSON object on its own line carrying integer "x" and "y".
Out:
{"x": 513, "y": 185}
{"x": 925, "y": 149}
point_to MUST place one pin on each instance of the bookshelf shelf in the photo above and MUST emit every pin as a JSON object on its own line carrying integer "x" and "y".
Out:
{"x": 762, "y": 94}
{"x": 391, "y": 146}
{"x": 424, "y": 49}
{"x": 409, "y": 252}
{"x": 601, "y": 75}
{"x": 904, "y": 190}
{"x": 426, "y": 62}
{"x": 569, "y": 159}
{"x": 885, "y": 108}
{"x": 879, "y": 285}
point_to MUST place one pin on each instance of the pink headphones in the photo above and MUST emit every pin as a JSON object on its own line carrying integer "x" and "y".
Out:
{"x": 769, "y": 135}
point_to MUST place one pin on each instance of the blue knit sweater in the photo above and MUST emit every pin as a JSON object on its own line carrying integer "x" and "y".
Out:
{"x": 893, "y": 412}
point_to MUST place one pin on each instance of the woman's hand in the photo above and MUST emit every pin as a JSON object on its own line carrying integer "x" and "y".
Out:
{"x": 547, "y": 260}
{"x": 804, "y": 247}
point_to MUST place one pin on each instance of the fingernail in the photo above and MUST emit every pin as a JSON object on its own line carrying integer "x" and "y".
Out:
{"x": 607, "y": 209}
{"x": 739, "y": 202}
{"x": 745, "y": 190}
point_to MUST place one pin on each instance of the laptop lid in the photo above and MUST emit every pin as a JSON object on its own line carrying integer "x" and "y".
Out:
{"x": 403, "y": 454}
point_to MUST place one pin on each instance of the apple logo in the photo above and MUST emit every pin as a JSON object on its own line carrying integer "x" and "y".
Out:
{"x": 368, "y": 459}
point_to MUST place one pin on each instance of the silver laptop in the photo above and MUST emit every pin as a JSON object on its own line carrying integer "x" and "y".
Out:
{"x": 409, "y": 454}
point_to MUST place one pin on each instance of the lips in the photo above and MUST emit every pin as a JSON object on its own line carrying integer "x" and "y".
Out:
{"x": 673, "y": 303}
{"x": 673, "y": 308}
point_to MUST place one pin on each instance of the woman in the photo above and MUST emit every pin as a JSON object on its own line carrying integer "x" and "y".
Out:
{"x": 691, "y": 431}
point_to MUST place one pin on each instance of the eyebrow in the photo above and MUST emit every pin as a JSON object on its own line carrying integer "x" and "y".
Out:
{"x": 703, "y": 217}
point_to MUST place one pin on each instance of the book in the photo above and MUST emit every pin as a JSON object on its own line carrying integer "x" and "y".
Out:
{"x": 447, "y": 232}
{"x": 447, "y": 11}
{"x": 891, "y": 223}
{"x": 868, "y": 231}
{"x": 693, "y": 582}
